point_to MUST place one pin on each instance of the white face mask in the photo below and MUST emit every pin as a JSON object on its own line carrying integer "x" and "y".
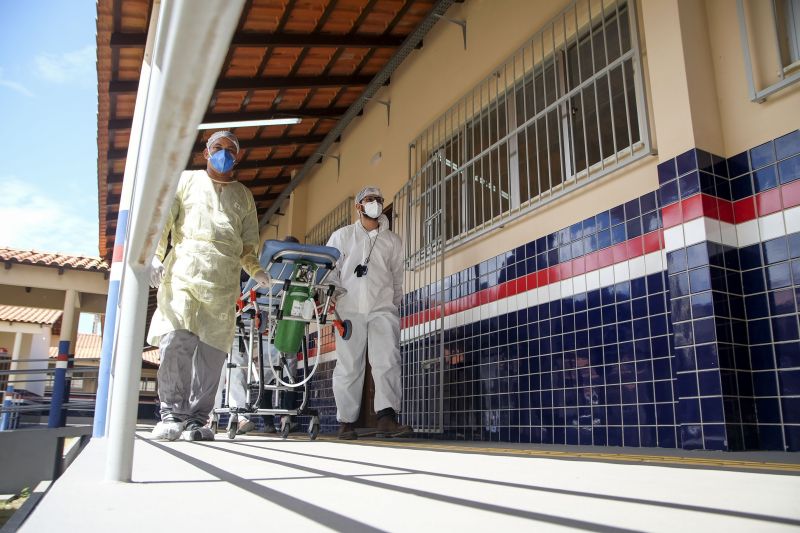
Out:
{"x": 373, "y": 209}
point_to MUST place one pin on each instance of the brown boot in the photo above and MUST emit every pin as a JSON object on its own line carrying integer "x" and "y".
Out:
{"x": 347, "y": 431}
{"x": 388, "y": 427}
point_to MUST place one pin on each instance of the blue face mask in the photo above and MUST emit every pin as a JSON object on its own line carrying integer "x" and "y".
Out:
{"x": 222, "y": 161}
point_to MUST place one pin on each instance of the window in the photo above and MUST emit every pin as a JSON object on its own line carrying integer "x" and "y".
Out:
{"x": 566, "y": 108}
{"x": 770, "y": 36}
{"x": 787, "y": 28}
{"x": 147, "y": 385}
{"x": 339, "y": 217}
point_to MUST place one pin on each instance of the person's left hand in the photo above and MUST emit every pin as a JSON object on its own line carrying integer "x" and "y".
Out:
{"x": 262, "y": 279}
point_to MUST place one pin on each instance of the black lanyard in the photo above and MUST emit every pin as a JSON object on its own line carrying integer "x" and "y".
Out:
{"x": 372, "y": 242}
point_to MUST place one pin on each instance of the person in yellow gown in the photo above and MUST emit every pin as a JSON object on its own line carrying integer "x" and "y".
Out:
{"x": 213, "y": 229}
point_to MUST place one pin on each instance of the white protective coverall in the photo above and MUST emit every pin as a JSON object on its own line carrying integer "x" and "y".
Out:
{"x": 372, "y": 304}
{"x": 214, "y": 235}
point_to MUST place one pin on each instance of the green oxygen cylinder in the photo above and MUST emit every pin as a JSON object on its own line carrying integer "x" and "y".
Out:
{"x": 289, "y": 333}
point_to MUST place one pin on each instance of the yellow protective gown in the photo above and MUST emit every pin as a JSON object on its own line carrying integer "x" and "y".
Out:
{"x": 214, "y": 234}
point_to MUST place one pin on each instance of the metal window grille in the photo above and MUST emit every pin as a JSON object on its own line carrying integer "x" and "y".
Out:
{"x": 339, "y": 217}
{"x": 786, "y": 42}
{"x": 565, "y": 109}
{"x": 5, "y": 364}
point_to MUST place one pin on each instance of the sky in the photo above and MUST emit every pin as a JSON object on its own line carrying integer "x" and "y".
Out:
{"x": 48, "y": 127}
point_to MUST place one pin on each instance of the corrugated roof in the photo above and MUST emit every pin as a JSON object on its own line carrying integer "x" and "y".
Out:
{"x": 48, "y": 259}
{"x": 29, "y": 315}
{"x": 89, "y": 346}
{"x": 152, "y": 356}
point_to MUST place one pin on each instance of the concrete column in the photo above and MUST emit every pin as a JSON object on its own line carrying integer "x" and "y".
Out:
{"x": 681, "y": 74}
{"x": 39, "y": 352}
{"x": 18, "y": 363}
{"x": 66, "y": 346}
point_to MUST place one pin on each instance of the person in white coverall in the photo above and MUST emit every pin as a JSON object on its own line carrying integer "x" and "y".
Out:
{"x": 370, "y": 268}
{"x": 214, "y": 234}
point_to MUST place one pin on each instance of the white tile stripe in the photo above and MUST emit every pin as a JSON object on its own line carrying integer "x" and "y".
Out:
{"x": 738, "y": 235}
{"x": 324, "y": 358}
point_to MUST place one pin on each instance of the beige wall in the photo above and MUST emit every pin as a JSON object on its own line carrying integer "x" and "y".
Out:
{"x": 695, "y": 85}
{"x": 7, "y": 342}
{"x": 746, "y": 124}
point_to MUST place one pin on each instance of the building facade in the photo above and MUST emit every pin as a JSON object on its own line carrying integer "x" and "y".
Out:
{"x": 601, "y": 210}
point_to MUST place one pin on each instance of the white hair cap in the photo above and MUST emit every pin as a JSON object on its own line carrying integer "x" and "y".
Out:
{"x": 223, "y": 133}
{"x": 371, "y": 190}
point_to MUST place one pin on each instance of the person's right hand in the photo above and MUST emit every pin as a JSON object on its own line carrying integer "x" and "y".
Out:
{"x": 156, "y": 272}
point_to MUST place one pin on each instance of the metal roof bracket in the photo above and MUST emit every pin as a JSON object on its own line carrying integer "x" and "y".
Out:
{"x": 457, "y": 22}
{"x": 338, "y": 159}
{"x": 385, "y": 103}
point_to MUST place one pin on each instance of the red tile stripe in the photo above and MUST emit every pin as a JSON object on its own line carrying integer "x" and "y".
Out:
{"x": 737, "y": 212}
{"x": 630, "y": 249}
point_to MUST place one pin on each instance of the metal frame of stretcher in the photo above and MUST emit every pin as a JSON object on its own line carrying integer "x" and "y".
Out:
{"x": 258, "y": 311}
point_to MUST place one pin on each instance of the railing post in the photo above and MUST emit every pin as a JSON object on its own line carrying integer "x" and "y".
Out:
{"x": 182, "y": 82}
{"x": 120, "y": 238}
{"x": 59, "y": 385}
{"x": 8, "y": 400}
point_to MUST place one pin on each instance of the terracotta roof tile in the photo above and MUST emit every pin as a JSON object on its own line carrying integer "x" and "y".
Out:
{"x": 32, "y": 257}
{"x": 90, "y": 345}
{"x": 151, "y": 355}
{"x": 29, "y": 315}
{"x": 87, "y": 347}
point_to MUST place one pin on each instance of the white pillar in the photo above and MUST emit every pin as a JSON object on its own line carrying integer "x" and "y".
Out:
{"x": 69, "y": 320}
{"x": 18, "y": 363}
{"x": 40, "y": 351}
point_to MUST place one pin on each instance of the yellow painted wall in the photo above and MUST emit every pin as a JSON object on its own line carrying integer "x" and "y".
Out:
{"x": 746, "y": 124}
{"x": 7, "y": 341}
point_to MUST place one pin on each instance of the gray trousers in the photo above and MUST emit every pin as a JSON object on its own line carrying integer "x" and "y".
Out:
{"x": 188, "y": 377}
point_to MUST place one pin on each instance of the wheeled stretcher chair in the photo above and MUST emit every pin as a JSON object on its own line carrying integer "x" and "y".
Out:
{"x": 280, "y": 315}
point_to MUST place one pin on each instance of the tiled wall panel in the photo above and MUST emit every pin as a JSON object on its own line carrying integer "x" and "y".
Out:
{"x": 670, "y": 320}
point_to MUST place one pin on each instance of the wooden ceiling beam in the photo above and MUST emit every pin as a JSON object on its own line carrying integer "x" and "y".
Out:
{"x": 257, "y": 84}
{"x": 267, "y": 182}
{"x": 283, "y": 39}
{"x": 268, "y": 197}
{"x": 266, "y": 163}
{"x": 272, "y": 142}
{"x": 305, "y": 112}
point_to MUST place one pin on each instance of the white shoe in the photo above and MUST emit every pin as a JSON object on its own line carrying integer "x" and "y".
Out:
{"x": 167, "y": 431}
{"x": 195, "y": 431}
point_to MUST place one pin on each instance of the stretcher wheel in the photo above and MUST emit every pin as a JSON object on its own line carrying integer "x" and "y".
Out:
{"x": 215, "y": 424}
{"x": 286, "y": 424}
{"x": 313, "y": 428}
{"x": 233, "y": 426}
{"x": 345, "y": 328}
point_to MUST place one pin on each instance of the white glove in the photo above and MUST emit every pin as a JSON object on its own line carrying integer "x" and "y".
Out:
{"x": 261, "y": 279}
{"x": 156, "y": 272}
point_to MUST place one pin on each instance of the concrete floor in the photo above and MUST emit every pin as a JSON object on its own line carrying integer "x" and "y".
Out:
{"x": 259, "y": 482}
